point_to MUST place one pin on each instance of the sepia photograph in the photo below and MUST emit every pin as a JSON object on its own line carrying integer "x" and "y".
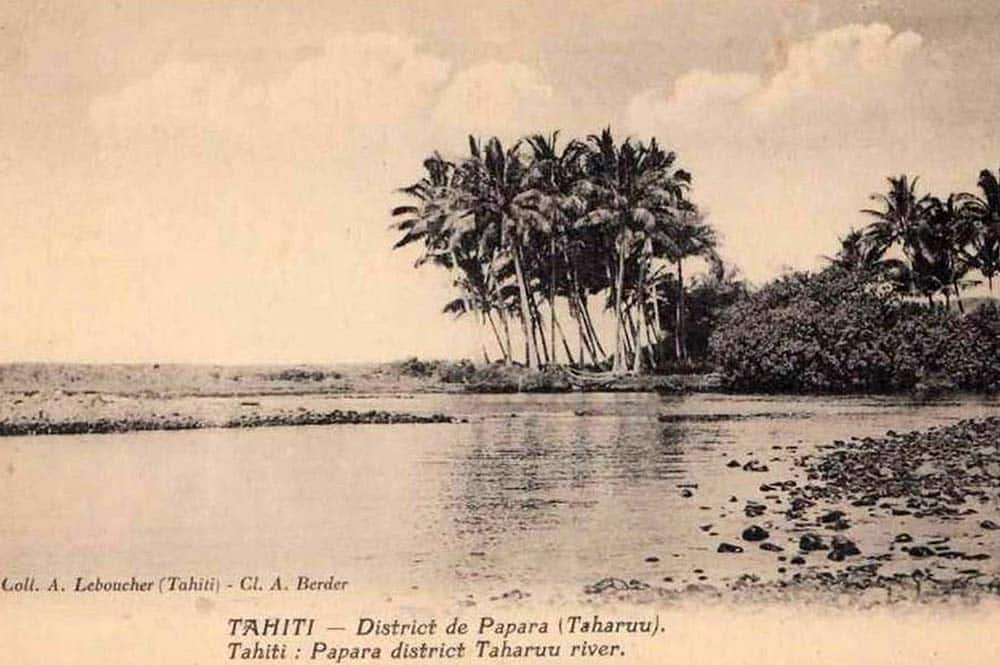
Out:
{"x": 624, "y": 331}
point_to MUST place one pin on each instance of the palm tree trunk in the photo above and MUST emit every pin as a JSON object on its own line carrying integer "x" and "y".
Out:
{"x": 552, "y": 295}
{"x": 589, "y": 323}
{"x": 509, "y": 358}
{"x": 641, "y": 298}
{"x": 656, "y": 315}
{"x": 586, "y": 341}
{"x": 562, "y": 336}
{"x": 619, "y": 361}
{"x": 530, "y": 351}
{"x": 496, "y": 334}
{"x": 483, "y": 337}
{"x": 679, "y": 347}
{"x": 958, "y": 297}
{"x": 536, "y": 313}
{"x": 653, "y": 343}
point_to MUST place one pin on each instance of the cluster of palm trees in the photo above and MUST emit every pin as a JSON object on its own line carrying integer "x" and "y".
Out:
{"x": 537, "y": 229}
{"x": 929, "y": 246}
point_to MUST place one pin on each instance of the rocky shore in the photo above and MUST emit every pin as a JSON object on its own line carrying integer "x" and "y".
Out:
{"x": 181, "y": 422}
{"x": 907, "y": 517}
{"x": 59, "y": 412}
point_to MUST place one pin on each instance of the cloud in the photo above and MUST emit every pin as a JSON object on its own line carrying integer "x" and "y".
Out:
{"x": 276, "y": 192}
{"x": 848, "y": 75}
{"x": 796, "y": 150}
{"x": 508, "y": 99}
{"x": 354, "y": 82}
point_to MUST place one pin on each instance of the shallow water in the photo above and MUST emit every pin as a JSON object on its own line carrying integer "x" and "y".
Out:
{"x": 543, "y": 493}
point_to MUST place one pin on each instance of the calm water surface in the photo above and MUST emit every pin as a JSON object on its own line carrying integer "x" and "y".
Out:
{"x": 535, "y": 492}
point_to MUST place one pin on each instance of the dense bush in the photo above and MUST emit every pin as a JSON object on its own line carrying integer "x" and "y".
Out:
{"x": 845, "y": 331}
{"x": 973, "y": 357}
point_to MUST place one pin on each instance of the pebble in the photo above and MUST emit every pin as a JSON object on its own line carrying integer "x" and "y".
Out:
{"x": 755, "y": 533}
{"x": 810, "y": 542}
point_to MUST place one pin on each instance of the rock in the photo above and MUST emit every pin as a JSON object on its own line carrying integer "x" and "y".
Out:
{"x": 982, "y": 556}
{"x": 755, "y": 533}
{"x": 726, "y": 548}
{"x": 810, "y": 542}
{"x": 797, "y": 561}
{"x": 919, "y": 551}
{"x": 733, "y": 464}
{"x": 841, "y": 548}
{"x": 771, "y": 547}
{"x": 652, "y": 559}
{"x": 903, "y": 538}
{"x": 607, "y": 584}
{"x": 687, "y": 494}
{"x": 832, "y": 516}
{"x": 989, "y": 525}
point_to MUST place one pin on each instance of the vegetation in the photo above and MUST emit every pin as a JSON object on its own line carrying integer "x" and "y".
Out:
{"x": 535, "y": 230}
{"x": 538, "y": 231}
{"x": 930, "y": 246}
{"x": 844, "y": 330}
{"x": 858, "y": 325}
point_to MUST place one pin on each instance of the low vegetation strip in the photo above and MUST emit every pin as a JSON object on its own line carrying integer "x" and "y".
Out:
{"x": 180, "y": 422}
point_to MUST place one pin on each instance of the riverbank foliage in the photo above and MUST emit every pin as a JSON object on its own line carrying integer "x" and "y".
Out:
{"x": 842, "y": 331}
{"x": 880, "y": 318}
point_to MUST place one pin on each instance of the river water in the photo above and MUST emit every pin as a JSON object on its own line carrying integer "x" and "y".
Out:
{"x": 541, "y": 493}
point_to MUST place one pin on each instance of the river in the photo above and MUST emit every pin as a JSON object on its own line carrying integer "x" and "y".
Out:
{"x": 539, "y": 493}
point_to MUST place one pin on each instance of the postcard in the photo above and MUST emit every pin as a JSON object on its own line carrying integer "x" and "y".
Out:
{"x": 521, "y": 331}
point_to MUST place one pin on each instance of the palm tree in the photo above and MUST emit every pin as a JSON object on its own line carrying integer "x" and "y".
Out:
{"x": 984, "y": 213}
{"x": 943, "y": 238}
{"x": 495, "y": 179}
{"x": 902, "y": 213}
{"x": 692, "y": 237}
{"x": 520, "y": 228}
{"x": 553, "y": 178}
{"x": 897, "y": 223}
{"x": 634, "y": 189}
{"x": 439, "y": 217}
{"x": 858, "y": 252}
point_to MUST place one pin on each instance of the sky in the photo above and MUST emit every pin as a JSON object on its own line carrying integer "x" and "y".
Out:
{"x": 190, "y": 181}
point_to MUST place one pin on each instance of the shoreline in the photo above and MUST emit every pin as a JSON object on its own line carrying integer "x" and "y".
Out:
{"x": 946, "y": 478}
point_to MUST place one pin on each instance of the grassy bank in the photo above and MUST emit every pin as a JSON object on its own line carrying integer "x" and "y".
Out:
{"x": 38, "y": 399}
{"x": 408, "y": 376}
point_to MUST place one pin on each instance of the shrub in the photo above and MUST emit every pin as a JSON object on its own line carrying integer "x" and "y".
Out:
{"x": 973, "y": 357}
{"x": 845, "y": 331}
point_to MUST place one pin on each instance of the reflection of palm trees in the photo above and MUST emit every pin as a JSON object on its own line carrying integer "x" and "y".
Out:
{"x": 526, "y": 474}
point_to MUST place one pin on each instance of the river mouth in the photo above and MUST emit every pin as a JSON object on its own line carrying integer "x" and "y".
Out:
{"x": 540, "y": 495}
